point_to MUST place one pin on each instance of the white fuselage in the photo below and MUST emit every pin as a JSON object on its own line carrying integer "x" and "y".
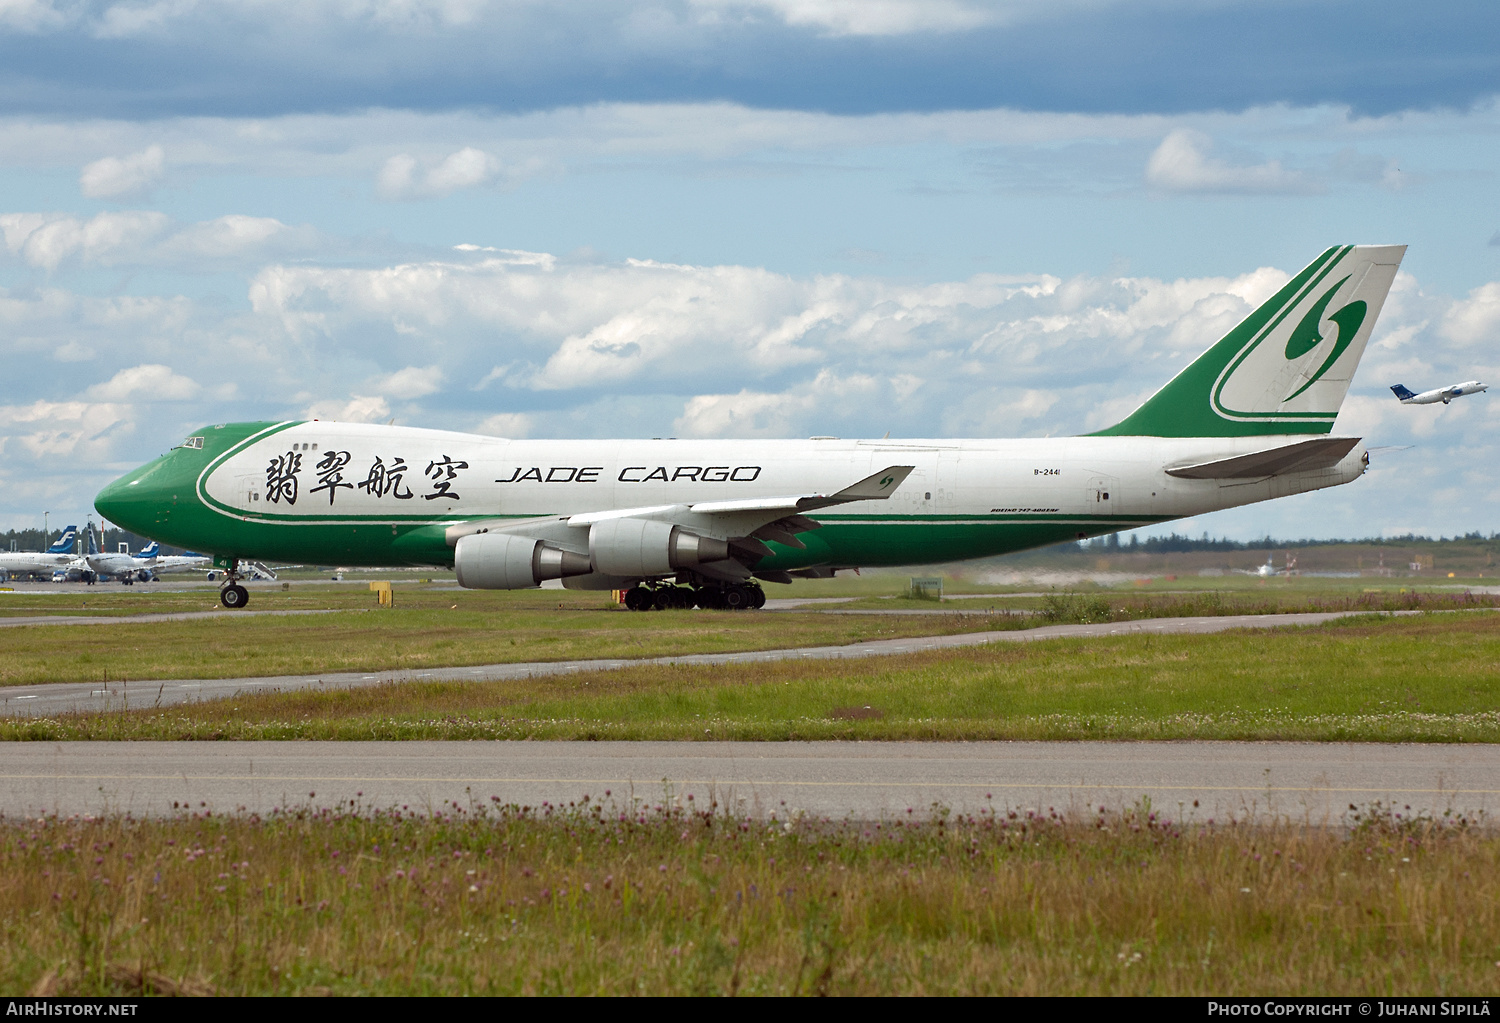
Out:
{"x": 21, "y": 562}
{"x": 118, "y": 564}
{"x": 1096, "y": 484}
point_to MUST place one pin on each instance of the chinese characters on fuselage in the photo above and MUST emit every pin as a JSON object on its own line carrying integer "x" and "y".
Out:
{"x": 281, "y": 478}
{"x": 384, "y": 479}
{"x": 330, "y": 470}
{"x": 442, "y": 475}
{"x": 387, "y": 477}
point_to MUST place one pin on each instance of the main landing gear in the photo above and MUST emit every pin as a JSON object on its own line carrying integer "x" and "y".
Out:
{"x": 233, "y": 595}
{"x": 737, "y": 597}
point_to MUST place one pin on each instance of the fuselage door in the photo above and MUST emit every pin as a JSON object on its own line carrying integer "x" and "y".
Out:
{"x": 247, "y": 491}
{"x": 1101, "y": 496}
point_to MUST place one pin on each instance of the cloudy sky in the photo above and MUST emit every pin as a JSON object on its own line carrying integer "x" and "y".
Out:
{"x": 731, "y": 218}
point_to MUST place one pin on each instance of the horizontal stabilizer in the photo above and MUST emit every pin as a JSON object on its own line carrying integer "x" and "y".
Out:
{"x": 1307, "y": 455}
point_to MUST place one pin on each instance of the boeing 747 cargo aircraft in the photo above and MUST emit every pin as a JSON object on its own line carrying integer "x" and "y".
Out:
{"x": 681, "y": 522}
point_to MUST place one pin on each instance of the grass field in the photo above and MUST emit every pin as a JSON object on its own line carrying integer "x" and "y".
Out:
{"x": 415, "y": 637}
{"x": 610, "y": 899}
{"x": 1429, "y": 677}
{"x": 433, "y": 627}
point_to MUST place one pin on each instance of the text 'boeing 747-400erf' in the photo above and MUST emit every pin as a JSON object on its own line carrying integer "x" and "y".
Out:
{"x": 682, "y": 522}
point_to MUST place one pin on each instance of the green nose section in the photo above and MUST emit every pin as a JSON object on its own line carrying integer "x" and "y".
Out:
{"x": 121, "y": 503}
{"x": 141, "y": 501}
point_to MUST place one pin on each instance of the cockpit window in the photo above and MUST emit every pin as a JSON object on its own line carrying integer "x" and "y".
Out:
{"x": 192, "y": 442}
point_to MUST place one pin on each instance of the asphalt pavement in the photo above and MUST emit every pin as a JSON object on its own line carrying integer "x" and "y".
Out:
{"x": 1312, "y": 783}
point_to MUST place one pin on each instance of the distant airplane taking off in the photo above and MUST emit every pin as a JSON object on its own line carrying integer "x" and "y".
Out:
{"x": 1442, "y": 394}
{"x": 681, "y": 522}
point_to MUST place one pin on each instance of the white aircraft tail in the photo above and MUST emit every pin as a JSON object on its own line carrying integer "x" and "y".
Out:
{"x": 1286, "y": 368}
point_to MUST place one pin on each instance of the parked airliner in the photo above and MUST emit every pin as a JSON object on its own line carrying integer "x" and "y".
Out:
{"x": 58, "y": 555}
{"x": 677, "y": 522}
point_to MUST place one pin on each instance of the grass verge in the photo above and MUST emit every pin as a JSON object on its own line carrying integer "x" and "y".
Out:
{"x": 432, "y": 627}
{"x": 1422, "y": 678}
{"x": 604, "y": 897}
{"x": 415, "y": 637}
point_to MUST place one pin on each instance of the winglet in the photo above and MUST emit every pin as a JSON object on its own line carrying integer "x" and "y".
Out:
{"x": 875, "y": 487}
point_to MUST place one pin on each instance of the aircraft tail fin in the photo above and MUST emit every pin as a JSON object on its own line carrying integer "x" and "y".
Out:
{"x": 1286, "y": 368}
{"x": 1401, "y": 392}
{"x": 150, "y": 550}
{"x": 64, "y": 543}
{"x": 93, "y": 547}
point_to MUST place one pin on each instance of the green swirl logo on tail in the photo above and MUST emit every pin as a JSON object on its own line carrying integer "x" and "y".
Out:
{"x": 1306, "y": 337}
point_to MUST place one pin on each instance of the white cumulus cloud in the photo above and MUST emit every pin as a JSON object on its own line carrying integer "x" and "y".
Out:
{"x": 411, "y": 382}
{"x": 401, "y": 177}
{"x": 506, "y": 424}
{"x": 808, "y": 409}
{"x": 46, "y": 242}
{"x": 66, "y": 429}
{"x": 1182, "y": 164}
{"x": 1476, "y": 318}
{"x": 149, "y": 238}
{"x": 360, "y": 408}
{"x": 31, "y": 15}
{"x": 123, "y": 177}
{"x": 871, "y": 17}
{"x": 149, "y": 382}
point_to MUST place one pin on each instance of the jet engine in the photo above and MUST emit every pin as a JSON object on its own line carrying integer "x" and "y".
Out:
{"x": 643, "y": 548}
{"x": 502, "y": 561}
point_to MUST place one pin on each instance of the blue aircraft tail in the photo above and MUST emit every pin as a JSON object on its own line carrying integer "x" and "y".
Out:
{"x": 1401, "y": 392}
{"x": 150, "y": 550}
{"x": 64, "y": 544}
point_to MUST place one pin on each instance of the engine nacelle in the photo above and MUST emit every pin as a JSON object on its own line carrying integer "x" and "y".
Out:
{"x": 502, "y": 561}
{"x": 642, "y": 548}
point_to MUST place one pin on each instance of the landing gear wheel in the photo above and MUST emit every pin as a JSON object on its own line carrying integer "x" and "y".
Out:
{"x": 709, "y": 598}
{"x": 234, "y": 596}
{"x": 663, "y": 599}
{"x": 683, "y": 598}
{"x": 758, "y": 597}
{"x": 736, "y": 598}
{"x": 638, "y": 598}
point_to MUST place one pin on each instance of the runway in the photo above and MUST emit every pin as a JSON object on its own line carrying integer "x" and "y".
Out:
{"x": 1301, "y": 782}
{"x": 44, "y": 700}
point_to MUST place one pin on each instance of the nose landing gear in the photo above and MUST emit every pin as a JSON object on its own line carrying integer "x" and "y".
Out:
{"x": 233, "y": 595}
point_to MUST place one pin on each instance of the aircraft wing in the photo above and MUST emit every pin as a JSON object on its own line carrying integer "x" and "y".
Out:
{"x": 875, "y": 487}
{"x": 1319, "y": 453}
{"x": 744, "y": 523}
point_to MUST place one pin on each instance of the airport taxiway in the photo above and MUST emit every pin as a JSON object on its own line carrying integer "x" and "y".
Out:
{"x": 1312, "y": 783}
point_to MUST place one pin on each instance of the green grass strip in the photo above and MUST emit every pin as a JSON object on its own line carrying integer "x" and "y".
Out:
{"x": 1422, "y": 678}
